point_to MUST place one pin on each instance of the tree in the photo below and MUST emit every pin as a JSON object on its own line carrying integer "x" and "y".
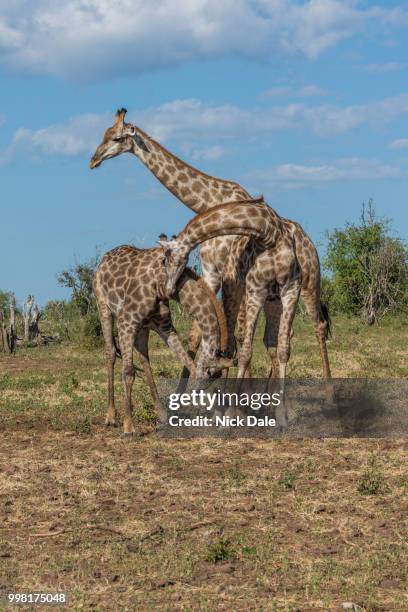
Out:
{"x": 368, "y": 266}
{"x": 79, "y": 279}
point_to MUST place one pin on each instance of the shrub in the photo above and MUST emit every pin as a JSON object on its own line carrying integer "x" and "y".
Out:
{"x": 369, "y": 268}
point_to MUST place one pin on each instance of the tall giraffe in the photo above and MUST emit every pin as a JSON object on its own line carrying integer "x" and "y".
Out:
{"x": 201, "y": 192}
{"x": 128, "y": 287}
{"x": 273, "y": 264}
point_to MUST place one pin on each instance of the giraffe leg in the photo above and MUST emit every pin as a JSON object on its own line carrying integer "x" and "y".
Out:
{"x": 273, "y": 312}
{"x": 311, "y": 300}
{"x": 289, "y": 298}
{"x": 313, "y": 307}
{"x": 194, "y": 341}
{"x": 254, "y": 302}
{"x": 142, "y": 346}
{"x": 232, "y": 298}
{"x": 110, "y": 352}
{"x": 240, "y": 331}
{"x": 127, "y": 339}
{"x": 161, "y": 323}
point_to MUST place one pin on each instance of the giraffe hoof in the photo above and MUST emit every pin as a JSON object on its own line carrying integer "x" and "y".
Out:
{"x": 110, "y": 423}
{"x": 128, "y": 434}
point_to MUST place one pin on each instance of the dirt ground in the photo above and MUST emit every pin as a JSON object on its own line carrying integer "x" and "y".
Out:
{"x": 205, "y": 524}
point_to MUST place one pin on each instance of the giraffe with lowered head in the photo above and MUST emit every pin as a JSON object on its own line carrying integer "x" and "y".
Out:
{"x": 128, "y": 285}
{"x": 273, "y": 266}
{"x": 201, "y": 192}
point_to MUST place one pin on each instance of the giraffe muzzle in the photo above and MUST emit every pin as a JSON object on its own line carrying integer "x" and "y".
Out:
{"x": 94, "y": 163}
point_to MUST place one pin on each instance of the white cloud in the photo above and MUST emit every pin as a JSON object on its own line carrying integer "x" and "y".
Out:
{"x": 76, "y": 136}
{"x": 400, "y": 143}
{"x": 207, "y": 128}
{"x": 354, "y": 168}
{"x": 384, "y": 68}
{"x": 99, "y": 39}
{"x": 183, "y": 119}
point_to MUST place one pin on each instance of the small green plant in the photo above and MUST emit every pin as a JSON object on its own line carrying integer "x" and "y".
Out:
{"x": 220, "y": 550}
{"x": 83, "y": 425}
{"x": 249, "y": 551}
{"x": 372, "y": 480}
{"x": 5, "y": 381}
{"x": 145, "y": 412}
{"x": 74, "y": 382}
{"x": 287, "y": 479}
{"x": 68, "y": 384}
{"x": 234, "y": 476}
{"x": 403, "y": 482}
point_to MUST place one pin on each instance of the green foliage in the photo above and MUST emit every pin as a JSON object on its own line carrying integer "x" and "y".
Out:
{"x": 76, "y": 320}
{"x": 372, "y": 481}
{"x": 369, "y": 269}
{"x": 91, "y": 330}
{"x": 220, "y": 550}
{"x": 287, "y": 479}
{"x": 249, "y": 551}
{"x": 79, "y": 280}
{"x": 61, "y": 318}
{"x": 4, "y": 300}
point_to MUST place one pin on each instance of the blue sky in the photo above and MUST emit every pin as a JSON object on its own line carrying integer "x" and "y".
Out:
{"x": 305, "y": 102}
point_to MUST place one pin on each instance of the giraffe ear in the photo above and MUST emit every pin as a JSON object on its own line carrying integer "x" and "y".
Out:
{"x": 129, "y": 129}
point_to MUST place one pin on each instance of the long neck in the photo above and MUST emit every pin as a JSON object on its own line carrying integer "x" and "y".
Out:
{"x": 201, "y": 303}
{"x": 248, "y": 218}
{"x": 197, "y": 190}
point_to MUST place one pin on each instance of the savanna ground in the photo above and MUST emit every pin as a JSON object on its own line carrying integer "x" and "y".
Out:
{"x": 205, "y": 524}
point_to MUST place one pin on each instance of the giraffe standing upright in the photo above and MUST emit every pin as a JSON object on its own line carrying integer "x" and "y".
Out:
{"x": 201, "y": 192}
{"x": 128, "y": 287}
{"x": 274, "y": 264}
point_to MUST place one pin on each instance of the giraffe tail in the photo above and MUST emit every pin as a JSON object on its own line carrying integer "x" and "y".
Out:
{"x": 327, "y": 319}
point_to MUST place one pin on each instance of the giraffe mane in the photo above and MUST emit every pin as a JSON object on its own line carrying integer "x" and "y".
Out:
{"x": 225, "y": 206}
{"x": 219, "y": 311}
{"x": 208, "y": 176}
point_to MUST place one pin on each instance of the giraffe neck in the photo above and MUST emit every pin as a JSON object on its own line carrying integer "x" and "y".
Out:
{"x": 201, "y": 303}
{"x": 198, "y": 191}
{"x": 247, "y": 218}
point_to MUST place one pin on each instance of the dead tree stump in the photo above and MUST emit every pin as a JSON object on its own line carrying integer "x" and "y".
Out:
{"x": 34, "y": 330}
{"x": 27, "y": 308}
{"x": 12, "y": 324}
{"x": 4, "y": 336}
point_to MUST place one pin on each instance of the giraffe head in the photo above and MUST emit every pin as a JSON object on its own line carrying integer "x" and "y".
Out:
{"x": 120, "y": 138}
{"x": 175, "y": 260}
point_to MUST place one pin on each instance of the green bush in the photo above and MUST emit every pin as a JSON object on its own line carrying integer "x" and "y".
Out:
{"x": 369, "y": 269}
{"x": 91, "y": 330}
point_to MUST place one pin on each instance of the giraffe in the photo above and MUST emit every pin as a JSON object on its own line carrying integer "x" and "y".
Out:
{"x": 128, "y": 288}
{"x": 273, "y": 265}
{"x": 201, "y": 192}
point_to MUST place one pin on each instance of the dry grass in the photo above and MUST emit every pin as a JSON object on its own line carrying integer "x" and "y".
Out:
{"x": 202, "y": 524}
